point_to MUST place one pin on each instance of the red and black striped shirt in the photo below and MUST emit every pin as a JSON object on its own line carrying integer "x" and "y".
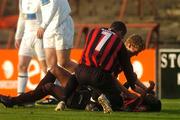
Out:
{"x": 101, "y": 49}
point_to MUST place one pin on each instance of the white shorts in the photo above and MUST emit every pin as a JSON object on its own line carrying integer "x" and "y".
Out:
{"x": 62, "y": 38}
{"x": 31, "y": 46}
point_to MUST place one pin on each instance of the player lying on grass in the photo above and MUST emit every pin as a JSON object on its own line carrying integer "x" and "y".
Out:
{"x": 45, "y": 87}
{"x": 143, "y": 101}
{"x": 81, "y": 99}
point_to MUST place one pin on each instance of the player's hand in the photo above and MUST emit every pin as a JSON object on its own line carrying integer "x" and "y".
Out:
{"x": 152, "y": 85}
{"x": 17, "y": 43}
{"x": 150, "y": 88}
{"x": 40, "y": 33}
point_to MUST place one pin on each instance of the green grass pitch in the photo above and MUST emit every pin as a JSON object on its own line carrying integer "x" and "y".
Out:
{"x": 170, "y": 111}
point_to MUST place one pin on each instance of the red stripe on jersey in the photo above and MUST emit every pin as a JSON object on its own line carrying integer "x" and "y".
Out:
{"x": 86, "y": 42}
{"x": 108, "y": 48}
{"x": 113, "y": 57}
{"x": 94, "y": 35}
{"x": 94, "y": 61}
{"x": 95, "y": 53}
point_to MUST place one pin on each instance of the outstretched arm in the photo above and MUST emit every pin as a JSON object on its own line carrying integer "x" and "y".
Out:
{"x": 142, "y": 89}
{"x": 125, "y": 92}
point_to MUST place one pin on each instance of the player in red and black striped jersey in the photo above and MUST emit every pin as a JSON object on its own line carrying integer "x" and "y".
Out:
{"x": 103, "y": 53}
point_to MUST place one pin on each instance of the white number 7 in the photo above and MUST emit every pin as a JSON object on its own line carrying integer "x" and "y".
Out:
{"x": 107, "y": 35}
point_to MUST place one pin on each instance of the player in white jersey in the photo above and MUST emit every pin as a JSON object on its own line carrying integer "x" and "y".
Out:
{"x": 26, "y": 40}
{"x": 57, "y": 31}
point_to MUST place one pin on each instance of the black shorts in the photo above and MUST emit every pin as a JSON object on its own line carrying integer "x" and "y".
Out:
{"x": 97, "y": 78}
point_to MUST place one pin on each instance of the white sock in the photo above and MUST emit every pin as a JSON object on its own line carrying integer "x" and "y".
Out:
{"x": 57, "y": 82}
{"x": 21, "y": 82}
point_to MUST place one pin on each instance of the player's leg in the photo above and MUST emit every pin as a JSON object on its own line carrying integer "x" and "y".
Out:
{"x": 112, "y": 92}
{"x": 22, "y": 73}
{"x": 39, "y": 93}
{"x": 34, "y": 95}
{"x": 93, "y": 77}
{"x": 54, "y": 73}
{"x": 64, "y": 43}
{"x": 51, "y": 58}
{"x": 43, "y": 67}
{"x": 40, "y": 52}
{"x": 101, "y": 81}
{"x": 25, "y": 54}
{"x": 69, "y": 89}
{"x": 45, "y": 87}
{"x": 61, "y": 74}
{"x": 64, "y": 60}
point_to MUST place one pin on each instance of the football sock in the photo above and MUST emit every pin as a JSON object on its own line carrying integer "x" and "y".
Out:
{"x": 39, "y": 93}
{"x": 29, "y": 97}
{"x": 70, "y": 87}
{"x": 49, "y": 78}
{"x": 21, "y": 82}
{"x": 55, "y": 91}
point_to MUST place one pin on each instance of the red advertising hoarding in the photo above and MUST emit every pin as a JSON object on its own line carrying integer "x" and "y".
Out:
{"x": 143, "y": 64}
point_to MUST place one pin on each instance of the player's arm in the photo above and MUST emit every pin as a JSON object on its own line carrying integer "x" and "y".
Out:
{"x": 20, "y": 27}
{"x": 125, "y": 91}
{"x": 48, "y": 8}
{"x": 128, "y": 72}
{"x": 140, "y": 84}
{"x": 143, "y": 88}
{"x": 51, "y": 6}
{"x": 142, "y": 91}
{"x": 126, "y": 66}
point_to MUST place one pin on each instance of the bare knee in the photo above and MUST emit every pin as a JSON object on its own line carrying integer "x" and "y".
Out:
{"x": 22, "y": 68}
{"x": 43, "y": 66}
{"x": 64, "y": 62}
{"x": 69, "y": 65}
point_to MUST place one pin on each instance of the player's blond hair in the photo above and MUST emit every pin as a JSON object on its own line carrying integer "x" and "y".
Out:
{"x": 136, "y": 41}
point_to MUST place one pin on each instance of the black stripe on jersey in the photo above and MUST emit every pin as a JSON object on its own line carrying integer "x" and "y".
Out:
{"x": 96, "y": 41}
{"x": 114, "y": 47}
{"x": 86, "y": 45}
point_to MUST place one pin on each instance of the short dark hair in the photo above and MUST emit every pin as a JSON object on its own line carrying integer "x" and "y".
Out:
{"x": 153, "y": 104}
{"x": 119, "y": 26}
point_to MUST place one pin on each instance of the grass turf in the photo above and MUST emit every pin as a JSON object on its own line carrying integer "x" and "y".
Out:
{"x": 170, "y": 111}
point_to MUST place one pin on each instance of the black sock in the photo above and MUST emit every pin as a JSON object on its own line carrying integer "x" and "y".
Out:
{"x": 70, "y": 87}
{"x": 49, "y": 78}
{"x": 54, "y": 90}
{"x": 30, "y": 96}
